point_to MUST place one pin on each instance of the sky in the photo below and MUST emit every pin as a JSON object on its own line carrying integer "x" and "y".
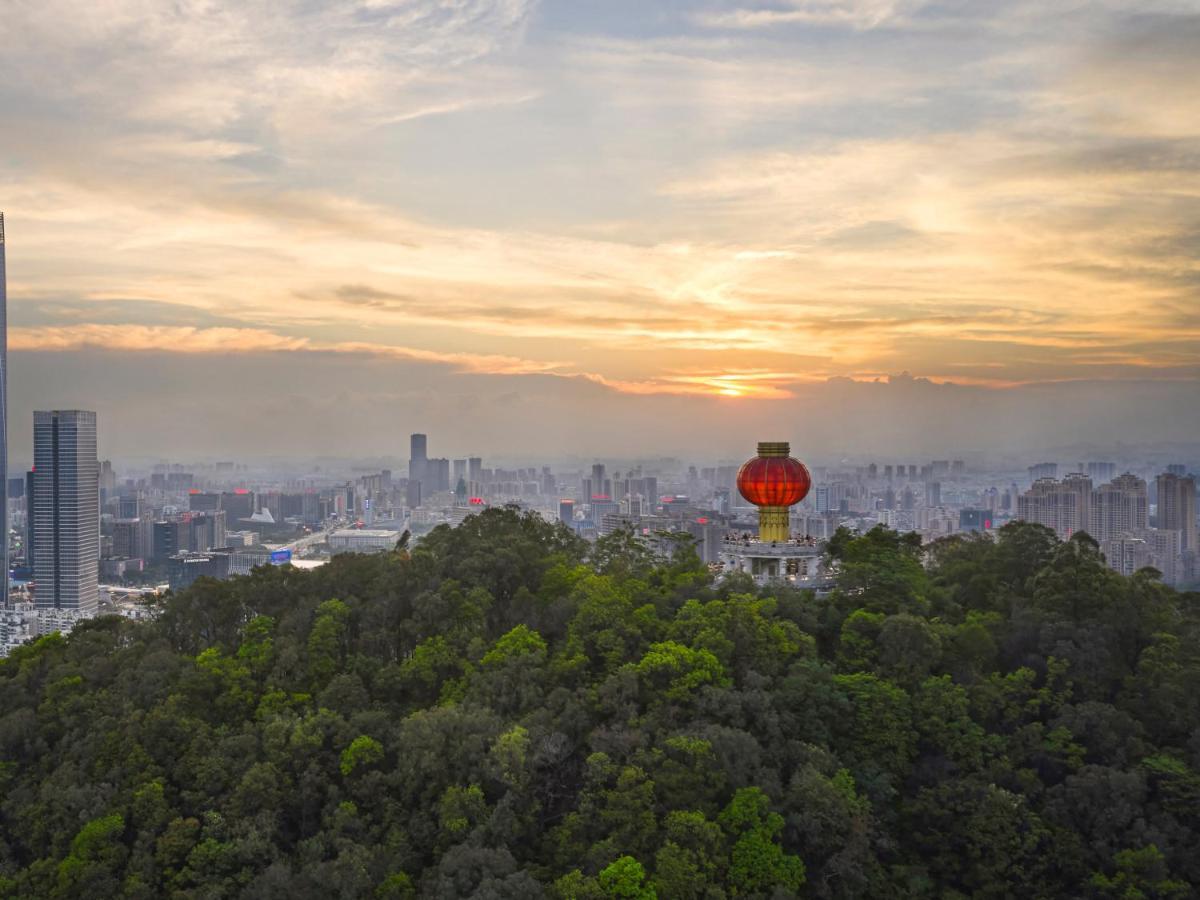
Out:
{"x": 577, "y": 227}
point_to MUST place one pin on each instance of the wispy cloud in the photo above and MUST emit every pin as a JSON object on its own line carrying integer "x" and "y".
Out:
{"x": 859, "y": 14}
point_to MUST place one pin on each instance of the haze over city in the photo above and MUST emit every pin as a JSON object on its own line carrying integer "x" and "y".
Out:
{"x": 305, "y": 229}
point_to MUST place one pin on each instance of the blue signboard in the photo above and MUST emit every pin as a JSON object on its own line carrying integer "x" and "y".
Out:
{"x": 281, "y": 557}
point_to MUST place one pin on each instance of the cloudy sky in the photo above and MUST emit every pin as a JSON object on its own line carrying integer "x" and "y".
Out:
{"x": 282, "y": 226}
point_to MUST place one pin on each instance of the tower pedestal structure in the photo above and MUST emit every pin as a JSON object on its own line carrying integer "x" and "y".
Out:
{"x": 773, "y": 523}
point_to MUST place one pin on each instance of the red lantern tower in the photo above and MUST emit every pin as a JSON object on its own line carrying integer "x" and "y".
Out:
{"x": 773, "y": 481}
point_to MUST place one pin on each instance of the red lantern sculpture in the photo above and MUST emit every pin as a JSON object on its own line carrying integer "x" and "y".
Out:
{"x": 774, "y": 481}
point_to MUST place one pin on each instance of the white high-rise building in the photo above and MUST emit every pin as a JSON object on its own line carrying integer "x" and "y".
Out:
{"x": 1177, "y": 508}
{"x": 1080, "y": 485}
{"x": 1128, "y": 552}
{"x": 66, "y": 500}
{"x": 1055, "y": 505}
{"x": 1118, "y": 507}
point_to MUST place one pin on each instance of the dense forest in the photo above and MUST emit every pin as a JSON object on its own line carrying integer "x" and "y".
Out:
{"x": 507, "y": 711}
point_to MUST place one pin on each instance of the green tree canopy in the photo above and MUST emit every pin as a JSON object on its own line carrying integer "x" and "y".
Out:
{"x": 502, "y": 711}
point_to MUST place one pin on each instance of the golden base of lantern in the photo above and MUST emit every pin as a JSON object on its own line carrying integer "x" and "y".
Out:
{"x": 773, "y": 523}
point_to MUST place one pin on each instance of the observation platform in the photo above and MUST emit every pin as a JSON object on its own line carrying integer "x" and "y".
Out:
{"x": 798, "y": 561}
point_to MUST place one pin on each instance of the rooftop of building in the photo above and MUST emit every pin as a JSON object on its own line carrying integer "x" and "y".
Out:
{"x": 365, "y": 533}
{"x": 746, "y": 545}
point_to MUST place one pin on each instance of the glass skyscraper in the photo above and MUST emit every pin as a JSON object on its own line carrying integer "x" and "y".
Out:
{"x": 66, "y": 502}
{"x": 3, "y": 418}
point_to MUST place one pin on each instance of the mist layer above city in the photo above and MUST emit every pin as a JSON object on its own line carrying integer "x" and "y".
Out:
{"x": 254, "y": 228}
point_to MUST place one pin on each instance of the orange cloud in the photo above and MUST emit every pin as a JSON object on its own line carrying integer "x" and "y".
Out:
{"x": 186, "y": 339}
{"x": 135, "y": 338}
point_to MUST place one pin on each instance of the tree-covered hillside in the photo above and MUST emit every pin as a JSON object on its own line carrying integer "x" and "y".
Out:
{"x": 507, "y": 712}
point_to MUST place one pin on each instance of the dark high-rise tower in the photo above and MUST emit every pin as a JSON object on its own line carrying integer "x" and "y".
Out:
{"x": 1177, "y": 508}
{"x": 3, "y": 419}
{"x": 418, "y": 464}
{"x": 417, "y": 447}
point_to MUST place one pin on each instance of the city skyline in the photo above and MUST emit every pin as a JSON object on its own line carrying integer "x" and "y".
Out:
{"x": 180, "y": 521}
{"x": 222, "y": 519}
{"x": 556, "y": 225}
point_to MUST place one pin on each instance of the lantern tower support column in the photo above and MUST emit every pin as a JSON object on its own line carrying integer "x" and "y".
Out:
{"x": 773, "y": 523}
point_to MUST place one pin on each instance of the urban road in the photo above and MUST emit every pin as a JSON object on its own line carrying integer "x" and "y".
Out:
{"x": 303, "y": 543}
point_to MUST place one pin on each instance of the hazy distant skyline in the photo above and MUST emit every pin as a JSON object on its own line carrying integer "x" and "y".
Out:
{"x": 282, "y": 227}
